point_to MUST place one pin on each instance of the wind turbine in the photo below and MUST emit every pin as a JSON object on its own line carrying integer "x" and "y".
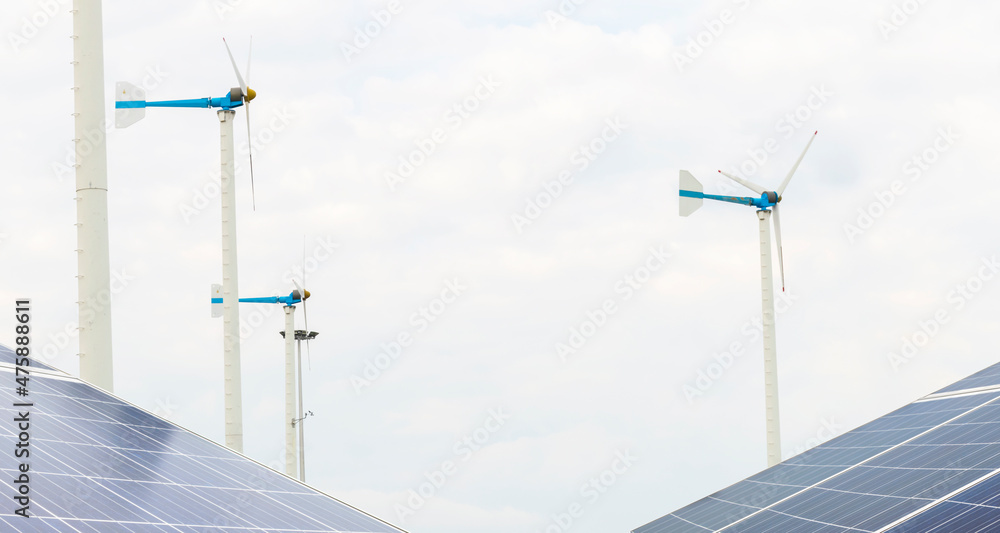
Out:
{"x": 294, "y": 456}
{"x": 691, "y": 198}
{"x": 130, "y": 107}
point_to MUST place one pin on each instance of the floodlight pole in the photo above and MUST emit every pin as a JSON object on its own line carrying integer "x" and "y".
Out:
{"x": 302, "y": 415}
{"x": 770, "y": 349}
{"x": 230, "y": 287}
{"x": 93, "y": 255}
{"x": 291, "y": 447}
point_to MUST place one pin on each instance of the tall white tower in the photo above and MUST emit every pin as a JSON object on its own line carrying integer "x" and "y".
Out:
{"x": 93, "y": 257}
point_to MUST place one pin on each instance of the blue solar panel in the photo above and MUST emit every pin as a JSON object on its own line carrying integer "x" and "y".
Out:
{"x": 7, "y": 356}
{"x": 99, "y": 464}
{"x": 984, "y": 378}
{"x": 827, "y": 477}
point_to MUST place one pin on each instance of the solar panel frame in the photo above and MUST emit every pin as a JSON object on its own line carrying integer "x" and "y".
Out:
{"x": 93, "y": 443}
{"x": 989, "y": 376}
{"x": 7, "y": 356}
{"x": 818, "y": 465}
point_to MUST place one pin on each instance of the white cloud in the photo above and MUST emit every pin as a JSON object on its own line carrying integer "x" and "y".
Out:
{"x": 323, "y": 176}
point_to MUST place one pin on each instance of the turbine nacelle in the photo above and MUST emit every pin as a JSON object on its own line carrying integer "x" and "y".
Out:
{"x": 238, "y": 98}
{"x": 692, "y": 196}
{"x": 131, "y": 104}
{"x": 297, "y": 295}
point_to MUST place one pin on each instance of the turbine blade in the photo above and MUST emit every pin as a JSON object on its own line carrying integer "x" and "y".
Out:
{"x": 748, "y": 184}
{"x": 249, "y": 56}
{"x": 253, "y": 193}
{"x": 243, "y": 84}
{"x": 796, "y": 167}
{"x": 305, "y": 310}
{"x": 777, "y": 238}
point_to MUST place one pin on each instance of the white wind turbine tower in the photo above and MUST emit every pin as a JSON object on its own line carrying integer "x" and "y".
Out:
{"x": 130, "y": 107}
{"x": 691, "y": 198}
{"x": 93, "y": 256}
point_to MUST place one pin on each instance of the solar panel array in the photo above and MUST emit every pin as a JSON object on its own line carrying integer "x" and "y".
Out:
{"x": 929, "y": 466}
{"x": 99, "y": 464}
{"x": 7, "y": 357}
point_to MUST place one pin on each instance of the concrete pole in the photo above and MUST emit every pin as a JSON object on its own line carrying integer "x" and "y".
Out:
{"x": 770, "y": 349}
{"x": 93, "y": 256}
{"x": 230, "y": 287}
{"x": 291, "y": 461}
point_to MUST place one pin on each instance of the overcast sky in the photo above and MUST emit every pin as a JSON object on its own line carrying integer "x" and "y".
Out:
{"x": 484, "y": 179}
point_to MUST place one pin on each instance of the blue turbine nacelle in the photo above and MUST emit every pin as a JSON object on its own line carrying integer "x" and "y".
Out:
{"x": 131, "y": 103}
{"x": 293, "y": 298}
{"x": 692, "y": 194}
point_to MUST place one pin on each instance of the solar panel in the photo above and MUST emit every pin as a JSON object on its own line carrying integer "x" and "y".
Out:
{"x": 100, "y": 464}
{"x": 989, "y": 376}
{"x": 7, "y": 356}
{"x": 929, "y": 466}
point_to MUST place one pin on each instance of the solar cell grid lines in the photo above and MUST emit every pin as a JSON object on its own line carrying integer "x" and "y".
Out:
{"x": 932, "y": 465}
{"x": 984, "y": 378}
{"x": 7, "y": 357}
{"x": 100, "y": 464}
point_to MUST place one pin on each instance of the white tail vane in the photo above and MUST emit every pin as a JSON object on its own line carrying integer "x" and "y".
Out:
{"x": 788, "y": 178}
{"x": 777, "y": 238}
{"x": 688, "y": 204}
{"x": 126, "y": 92}
{"x": 748, "y": 184}
{"x": 216, "y": 300}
